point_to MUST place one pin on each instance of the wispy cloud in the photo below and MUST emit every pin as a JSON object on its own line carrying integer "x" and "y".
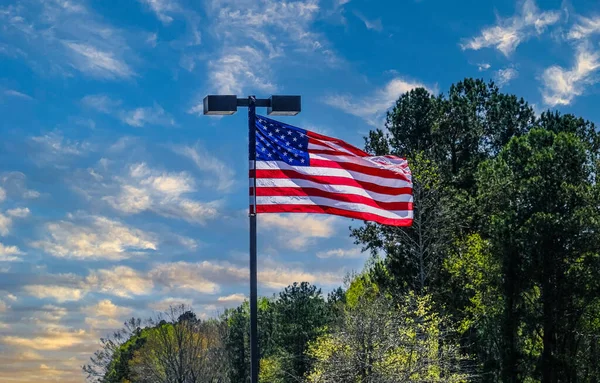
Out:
{"x": 14, "y": 93}
{"x": 373, "y": 106}
{"x": 144, "y": 188}
{"x": 154, "y": 115}
{"x": 297, "y": 231}
{"x": 120, "y": 281}
{"x": 54, "y": 338}
{"x": 234, "y": 298}
{"x": 510, "y": 32}
{"x": 560, "y": 86}
{"x": 230, "y": 73}
{"x": 97, "y": 63}
{"x": 506, "y": 75}
{"x": 370, "y": 24}
{"x": 222, "y": 176}
{"x": 20, "y": 212}
{"x": 56, "y": 292}
{"x": 585, "y": 27}
{"x": 164, "y": 304}
{"x": 138, "y": 117}
{"x": 94, "y": 237}
{"x": 483, "y": 67}
{"x": 58, "y": 37}
{"x": 341, "y": 253}
{"x": 162, "y": 8}
{"x": 260, "y": 32}
{"x": 7, "y": 253}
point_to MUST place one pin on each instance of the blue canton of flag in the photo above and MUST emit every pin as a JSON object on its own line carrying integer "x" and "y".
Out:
{"x": 276, "y": 141}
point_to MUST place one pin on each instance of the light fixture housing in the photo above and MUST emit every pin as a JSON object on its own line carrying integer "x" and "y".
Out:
{"x": 284, "y": 106}
{"x": 218, "y": 105}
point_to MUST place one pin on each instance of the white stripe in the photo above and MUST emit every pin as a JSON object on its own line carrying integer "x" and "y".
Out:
{"x": 363, "y": 161}
{"x": 332, "y": 172}
{"x": 336, "y": 146}
{"x": 351, "y": 206}
{"x": 333, "y": 148}
{"x": 339, "y": 189}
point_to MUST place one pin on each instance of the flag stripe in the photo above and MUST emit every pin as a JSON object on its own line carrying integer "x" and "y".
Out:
{"x": 332, "y": 172}
{"x": 335, "y": 142}
{"x": 322, "y": 201}
{"x": 396, "y": 194}
{"x": 334, "y": 211}
{"x": 314, "y": 192}
{"x": 356, "y": 167}
{"x": 333, "y": 180}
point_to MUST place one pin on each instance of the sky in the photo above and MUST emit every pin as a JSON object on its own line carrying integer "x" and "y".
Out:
{"x": 119, "y": 198}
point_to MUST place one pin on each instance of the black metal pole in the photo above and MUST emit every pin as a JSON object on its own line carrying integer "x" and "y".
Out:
{"x": 254, "y": 353}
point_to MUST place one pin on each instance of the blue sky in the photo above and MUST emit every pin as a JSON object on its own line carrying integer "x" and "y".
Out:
{"x": 117, "y": 197}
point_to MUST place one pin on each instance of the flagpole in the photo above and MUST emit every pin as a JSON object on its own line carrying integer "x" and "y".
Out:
{"x": 277, "y": 105}
{"x": 254, "y": 352}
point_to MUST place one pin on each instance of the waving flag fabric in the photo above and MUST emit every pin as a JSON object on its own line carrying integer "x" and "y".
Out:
{"x": 299, "y": 171}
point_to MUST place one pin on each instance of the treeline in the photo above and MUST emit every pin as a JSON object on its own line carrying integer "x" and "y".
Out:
{"x": 498, "y": 280}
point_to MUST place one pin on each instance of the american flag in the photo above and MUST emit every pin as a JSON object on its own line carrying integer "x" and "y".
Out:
{"x": 299, "y": 171}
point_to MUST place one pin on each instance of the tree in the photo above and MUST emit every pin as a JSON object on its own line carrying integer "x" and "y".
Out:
{"x": 383, "y": 342}
{"x": 300, "y": 316}
{"x": 110, "y": 363}
{"x": 181, "y": 349}
{"x": 542, "y": 202}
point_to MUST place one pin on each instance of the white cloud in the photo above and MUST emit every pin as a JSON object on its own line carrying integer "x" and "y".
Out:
{"x": 57, "y": 37}
{"x": 14, "y": 183}
{"x": 373, "y": 106}
{"x": 105, "y": 315}
{"x": 3, "y": 306}
{"x": 7, "y": 253}
{"x": 370, "y": 24}
{"x": 233, "y": 298}
{"x": 138, "y": 117}
{"x": 49, "y": 314}
{"x": 162, "y": 8}
{"x": 511, "y": 32}
{"x": 231, "y": 74}
{"x": 182, "y": 275}
{"x": 5, "y": 223}
{"x": 97, "y": 63}
{"x": 483, "y": 67}
{"x": 561, "y": 86}
{"x": 341, "y": 253}
{"x": 105, "y": 308}
{"x": 154, "y": 115}
{"x": 161, "y": 192}
{"x": 165, "y": 304}
{"x": 53, "y": 149}
{"x": 206, "y": 277}
{"x": 2, "y": 194}
{"x": 506, "y": 75}
{"x": 101, "y": 103}
{"x": 59, "y": 293}
{"x": 50, "y": 340}
{"x": 586, "y": 27}
{"x": 94, "y": 237}
{"x": 14, "y": 93}
{"x": 120, "y": 281}
{"x": 258, "y": 32}
{"x": 20, "y": 212}
{"x": 296, "y": 231}
{"x": 225, "y": 176}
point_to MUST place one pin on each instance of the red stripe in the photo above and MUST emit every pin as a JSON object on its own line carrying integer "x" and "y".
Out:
{"x": 317, "y": 209}
{"x": 330, "y": 180}
{"x": 376, "y": 172}
{"x": 320, "y": 139}
{"x": 312, "y": 192}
